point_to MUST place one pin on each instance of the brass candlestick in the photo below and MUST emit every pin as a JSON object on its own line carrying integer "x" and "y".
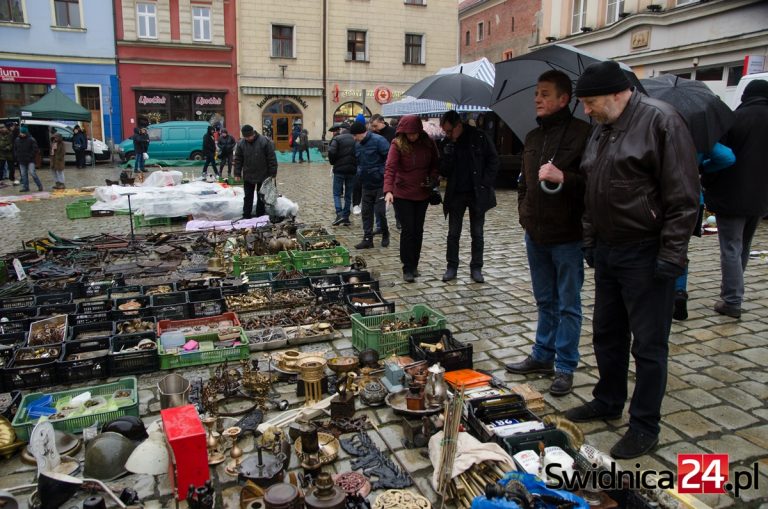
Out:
{"x": 233, "y": 468}
{"x": 213, "y": 442}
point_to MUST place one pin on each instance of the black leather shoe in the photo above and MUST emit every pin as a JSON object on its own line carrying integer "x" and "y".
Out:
{"x": 337, "y": 221}
{"x": 727, "y": 310}
{"x": 416, "y": 273}
{"x": 634, "y": 444}
{"x": 477, "y": 276}
{"x": 530, "y": 365}
{"x": 365, "y": 244}
{"x": 385, "y": 240}
{"x": 591, "y": 411}
{"x": 408, "y": 277}
{"x": 680, "y": 311}
{"x": 449, "y": 274}
{"x": 562, "y": 384}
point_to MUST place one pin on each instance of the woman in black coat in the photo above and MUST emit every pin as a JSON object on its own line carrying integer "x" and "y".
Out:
{"x": 209, "y": 151}
{"x": 140, "y": 146}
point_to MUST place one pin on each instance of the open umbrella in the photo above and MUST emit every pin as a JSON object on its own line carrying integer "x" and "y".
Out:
{"x": 516, "y": 79}
{"x": 456, "y": 88}
{"x": 708, "y": 117}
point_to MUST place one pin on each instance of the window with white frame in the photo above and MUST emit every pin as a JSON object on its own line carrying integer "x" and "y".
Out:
{"x": 201, "y": 23}
{"x": 357, "y": 45}
{"x": 615, "y": 7}
{"x": 579, "y": 15}
{"x": 686, "y": 2}
{"x": 146, "y": 20}
{"x": 416, "y": 2}
{"x": 414, "y": 49}
{"x": 67, "y": 13}
{"x": 480, "y": 31}
{"x": 11, "y": 11}
{"x": 282, "y": 41}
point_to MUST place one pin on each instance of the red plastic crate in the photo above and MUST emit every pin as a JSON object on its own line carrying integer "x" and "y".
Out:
{"x": 166, "y": 325}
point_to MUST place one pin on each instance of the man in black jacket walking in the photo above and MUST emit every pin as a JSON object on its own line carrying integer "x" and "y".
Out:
{"x": 226, "y": 146}
{"x": 468, "y": 160}
{"x": 341, "y": 154}
{"x": 739, "y": 195}
{"x": 209, "y": 151}
{"x": 255, "y": 160}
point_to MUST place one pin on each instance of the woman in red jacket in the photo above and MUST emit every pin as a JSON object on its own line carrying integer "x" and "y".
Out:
{"x": 409, "y": 176}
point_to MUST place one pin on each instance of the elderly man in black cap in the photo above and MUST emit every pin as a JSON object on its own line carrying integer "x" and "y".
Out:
{"x": 255, "y": 160}
{"x": 641, "y": 207}
{"x": 739, "y": 196}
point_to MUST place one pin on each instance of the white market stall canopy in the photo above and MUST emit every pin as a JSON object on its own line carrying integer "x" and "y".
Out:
{"x": 482, "y": 69}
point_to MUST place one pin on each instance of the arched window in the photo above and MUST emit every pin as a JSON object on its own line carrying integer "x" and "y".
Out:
{"x": 348, "y": 111}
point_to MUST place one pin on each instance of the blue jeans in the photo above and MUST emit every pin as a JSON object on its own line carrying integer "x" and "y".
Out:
{"x": 557, "y": 274}
{"x": 27, "y": 170}
{"x": 343, "y": 184}
{"x": 138, "y": 163}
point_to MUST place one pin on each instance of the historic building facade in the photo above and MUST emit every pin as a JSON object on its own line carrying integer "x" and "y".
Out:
{"x": 177, "y": 60}
{"x": 497, "y": 29}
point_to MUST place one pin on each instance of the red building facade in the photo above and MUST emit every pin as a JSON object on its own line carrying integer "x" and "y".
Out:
{"x": 176, "y": 60}
{"x": 497, "y": 29}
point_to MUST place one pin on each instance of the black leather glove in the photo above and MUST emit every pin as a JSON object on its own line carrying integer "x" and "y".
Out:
{"x": 667, "y": 270}
{"x": 589, "y": 256}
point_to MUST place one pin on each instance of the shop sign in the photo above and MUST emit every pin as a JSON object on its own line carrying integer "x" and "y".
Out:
{"x": 753, "y": 64}
{"x": 152, "y": 100}
{"x": 296, "y": 98}
{"x": 27, "y": 75}
{"x": 356, "y": 93}
{"x": 210, "y": 100}
{"x": 383, "y": 95}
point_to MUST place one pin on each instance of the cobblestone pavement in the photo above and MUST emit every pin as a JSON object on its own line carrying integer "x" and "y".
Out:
{"x": 716, "y": 391}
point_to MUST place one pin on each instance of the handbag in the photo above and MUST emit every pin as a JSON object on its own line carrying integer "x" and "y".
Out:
{"x": 434, "y": 197}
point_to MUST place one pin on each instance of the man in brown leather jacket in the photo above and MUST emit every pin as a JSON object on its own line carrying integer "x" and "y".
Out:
{"x": 551, "y": 203}
{"x": 641, "y": 207}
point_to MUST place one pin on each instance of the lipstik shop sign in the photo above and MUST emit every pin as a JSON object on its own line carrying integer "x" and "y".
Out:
{"x": 27, "y": 75}
{"x": 208, "y": 100}
{"x": 153, "y": 100}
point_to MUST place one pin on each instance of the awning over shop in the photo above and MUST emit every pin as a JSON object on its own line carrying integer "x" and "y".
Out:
{"x": 481, "y": 69}
{"x": 311, "y": 92}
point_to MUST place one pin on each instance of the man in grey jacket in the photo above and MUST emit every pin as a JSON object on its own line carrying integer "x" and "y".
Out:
{"x": 255, "y": 160}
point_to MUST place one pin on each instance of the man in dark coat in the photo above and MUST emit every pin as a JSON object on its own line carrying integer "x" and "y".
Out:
{"x": 552, "y": 223}
{"x": 371, "y": 151}
{"x": 6, "y": 153}
{"x": 79, "y": 145}
{"x": 469, "y": 162}
{"x": 140, "y": 146}
{"x": 26, "y": 150}
{"x": 226, "y": 146}
{"x": 641, "y": 204}
{"x": 380, "y": 127}
{"x": 341, "y": 154}
{"x": 209, "y": 151}
{"x": 739, "y": 195}
{"x": 255, "y": 160}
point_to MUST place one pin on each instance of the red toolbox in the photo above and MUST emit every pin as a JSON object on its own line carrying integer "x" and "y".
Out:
{"x": 185, "y": 437}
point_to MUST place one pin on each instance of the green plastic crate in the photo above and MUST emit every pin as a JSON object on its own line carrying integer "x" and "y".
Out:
{"x": 266, "y": 263}
{"x": 139, "y": 221}
{"x": 78, "y": 210}
{"x": 305, "y": 240}
{"x": 320, "y": 259}
{"x": 367, "y": 333}
{"x": 23, "y": 425}
{"x": 199, "y": 358}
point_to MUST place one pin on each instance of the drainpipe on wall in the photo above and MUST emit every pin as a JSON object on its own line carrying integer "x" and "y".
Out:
{"x": 325, "y": 67}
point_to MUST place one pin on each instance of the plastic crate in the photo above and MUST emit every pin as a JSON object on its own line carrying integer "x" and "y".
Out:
{"x": 167, "y": 299}
{"x": 14, "y": 326}
{"x": 17, "y": 314}
{"x": 166, "y": 325}
{"x": 83, "y": 369}
{"x": 94, "y": 306}
{"x": 455, "y": 356}
{"x": 119, "y": 325}
{"x": 266, "y": 263}
{"x": 293, "y": 283}
{"x": 82, "y": 318}
{"x": 158, "y": 289}
{"x": 305, "y": 240}
{"x": 369, "y": 304}
{"x": 361, "y": 276}
{"x": 90, "y": 288}
{"x": 367, "y": 333}
{"x": 20, "y": 374}
{"x": 139, "y": 221}
{"x": 143, "y": 300}
{"x": 55, "y": 321}
{"x": 22, "y": 301}
{"x": 23, "y": 425}
{"x": 207, "y": 308}
{"x": 78, "y": 210}
{"x": 56, "y": 309}
{"x": 482, "y": 411}
{"x": 169, "y": 312}
{"x": 91, "y": 331}
{"x": 132, "y": 363}
{"x": 199, "y": 358}
{"x": 124, "y": 292}
{"x": 53, "y": 298}
{"x": 320, "y": 259}
{"x": 205, "y": 294}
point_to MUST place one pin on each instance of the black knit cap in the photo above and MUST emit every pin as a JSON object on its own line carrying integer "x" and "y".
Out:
{"x": 755, "y": 88}
{"x": 601, "y": 78}
{"x": 357, "y": 128}
{"x": 246, "y": 130}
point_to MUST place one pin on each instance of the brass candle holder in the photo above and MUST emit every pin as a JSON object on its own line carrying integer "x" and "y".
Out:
{"x": 233, "y": 433}
{"x": 312, "y": 370}
{"x": 213, "y": 441}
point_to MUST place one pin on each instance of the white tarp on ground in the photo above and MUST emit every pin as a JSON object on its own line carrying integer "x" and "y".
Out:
{"x": 201, "y": 200}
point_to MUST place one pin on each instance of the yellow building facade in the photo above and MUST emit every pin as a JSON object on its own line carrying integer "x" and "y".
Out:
{"x": 316, "y": 62}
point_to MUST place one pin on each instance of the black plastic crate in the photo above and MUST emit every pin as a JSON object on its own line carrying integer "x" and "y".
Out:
{"x": 455, "y": 355}
{"x": 144, "y": 301}
{"x": 90, "y": 288}
{"x": 13, "y": 326}
{"x": 290, "y": 284}
{"x": 191, "y": 284}
{"x": 91, "y": 331}
{"x": 14, "y": 314}
{"x": 235, "y": 289}
{"x": 167, "y": 299}
{"x": 83, "y": 318}
{"x": 128, "y": 326}
{"x": 206, "y": 294}
{"x": 361, "y": 275}
{"x": 30, "y": 374}
{"x": 86, "y": 367}
{"x": 135, "y": 362}
{"x": 58, "y": 285}
{"x": 21, "y": 301}
{"x": 327, "y": 288}
{"x": 369, "y": 304}
{"x": 9, "y": 410}
{"x": 124, "y": 292}
{"x": 361, "y": 287}
{"x": 53, "y": 298}
{"x": 56, "y": 309}
{"x": 482, "y": 411}
{"x": 158, "y": 289}
{"x": 95, "y": 306}
{"x": 207, "y": 308}
{"x": 170, "y": 312}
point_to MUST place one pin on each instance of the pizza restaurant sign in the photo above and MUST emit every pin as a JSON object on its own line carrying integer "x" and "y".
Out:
{"x": 382, "y": 95}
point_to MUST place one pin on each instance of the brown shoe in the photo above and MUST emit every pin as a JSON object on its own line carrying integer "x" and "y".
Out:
{"x": 727, "y": 310}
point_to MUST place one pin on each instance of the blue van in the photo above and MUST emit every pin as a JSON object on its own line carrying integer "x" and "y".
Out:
{"x": 170, "y": 140}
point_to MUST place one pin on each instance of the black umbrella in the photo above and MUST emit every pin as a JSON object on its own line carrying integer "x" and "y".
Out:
{"x": 516, "y": 81}
{"x": 456, "y": 88}
{"x": 708, "y": 117}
